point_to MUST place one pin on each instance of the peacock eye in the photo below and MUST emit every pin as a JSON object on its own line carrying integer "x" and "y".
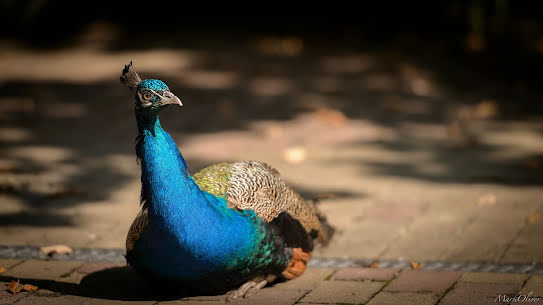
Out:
{"x": 147, "y": 95}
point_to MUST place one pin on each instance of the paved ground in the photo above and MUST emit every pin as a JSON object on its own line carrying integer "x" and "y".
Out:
{"x": 425, "y": 159}
{"x": 419, "y": 170}
{"x": 62, "y": 282}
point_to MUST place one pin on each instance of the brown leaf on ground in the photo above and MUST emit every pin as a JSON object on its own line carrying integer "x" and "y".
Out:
{"x": 2, "y": 269}
{"x": 67, "y": 192}
{"x": 331, "y": 117}
{"x": 28, "y": 287}
{"x": 12, "y": 287}
{"x": 56, "y": 249}
{"x": 374, "y": 264}
{"x": 487, "y": 200}
{"x": 415, "y": 265}
{"x": 535, "y": 217}
{"x": 486, "y": 109}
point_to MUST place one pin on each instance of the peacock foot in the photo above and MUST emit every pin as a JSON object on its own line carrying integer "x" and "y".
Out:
{"x": 246, "y": 290}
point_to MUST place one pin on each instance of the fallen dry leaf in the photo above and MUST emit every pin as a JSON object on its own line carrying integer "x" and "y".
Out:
{"x": 374, "y": 264}
{"x": 28, "y": 287}
{"x": 296, "y": 154}
{"x": 487, "y": 200}
{"x": 331, "y": 117}
{"x": 415, "y": 265}
{"x": 535, "y": 217}
{"x": 56, "y": 249}
{"x": 486, "y": 109}
{"x": 12, "y": 287}
{"x": 2, "y": 269}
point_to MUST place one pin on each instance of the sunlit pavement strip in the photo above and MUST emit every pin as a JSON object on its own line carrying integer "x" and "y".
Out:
{"x": 117, "y": 256}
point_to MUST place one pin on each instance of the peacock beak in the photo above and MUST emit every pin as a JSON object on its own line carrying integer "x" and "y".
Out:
{"x": 169, "y": 98}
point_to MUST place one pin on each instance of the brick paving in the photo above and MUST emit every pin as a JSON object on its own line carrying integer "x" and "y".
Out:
{"x": 95, "y": 283}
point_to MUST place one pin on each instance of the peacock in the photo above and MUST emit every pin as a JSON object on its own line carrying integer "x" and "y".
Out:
{"x": 232, "y": 227}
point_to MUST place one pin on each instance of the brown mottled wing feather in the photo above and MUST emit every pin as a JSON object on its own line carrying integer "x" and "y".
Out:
{"x": 257, "y": 186}
{"x": 137, "y": 227}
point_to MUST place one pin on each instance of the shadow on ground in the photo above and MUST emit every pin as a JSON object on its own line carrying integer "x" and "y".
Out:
{"x": 117, "y": 283}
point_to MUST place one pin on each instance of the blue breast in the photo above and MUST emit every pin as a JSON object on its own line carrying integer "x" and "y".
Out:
{"x": 191, "y": 233}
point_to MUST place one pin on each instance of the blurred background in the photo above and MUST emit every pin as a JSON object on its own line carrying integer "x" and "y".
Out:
{"x": 421, "y": 122}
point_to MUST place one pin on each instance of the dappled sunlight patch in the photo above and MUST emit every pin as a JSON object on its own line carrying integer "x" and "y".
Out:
{"x": 13, "y": 134}
{"x": 42, "y": 154}
{"x": 292, "y": 140}
{"x": 87, "y": 65}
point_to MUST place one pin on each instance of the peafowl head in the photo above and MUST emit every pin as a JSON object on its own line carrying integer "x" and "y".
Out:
{"x": 152, "y": 95}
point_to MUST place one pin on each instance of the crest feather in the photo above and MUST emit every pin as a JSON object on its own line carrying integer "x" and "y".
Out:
{"x": 129, "y": 77}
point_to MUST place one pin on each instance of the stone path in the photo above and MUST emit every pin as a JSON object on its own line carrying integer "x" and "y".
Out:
{"x": 73, "y": 282}
{"x": 455, "y": 181}
{"x": 425, "y": 160}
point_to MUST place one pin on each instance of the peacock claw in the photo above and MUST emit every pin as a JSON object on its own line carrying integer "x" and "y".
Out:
{"x": 246, "y": 290}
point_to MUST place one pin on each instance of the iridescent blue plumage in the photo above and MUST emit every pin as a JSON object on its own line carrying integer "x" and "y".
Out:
{"x": 192, "y": 236}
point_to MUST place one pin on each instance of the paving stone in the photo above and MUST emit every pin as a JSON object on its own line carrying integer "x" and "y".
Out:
{"x": 94, "y": 267}
{"x": 489, "y": 236}
{"x": 115, "y": 284}
{"x": 40, "y": 269}
{"x": 404, "y": 298}
{"x": 217, "y": 298}
{"x": 74, "y": 278}
{"x": 527, "y": 247}
{"x": 535, "y": 285}
{"x": 366, "y": 238}
{"x": 61, "y": 300}
{"x": 308, "y": 280}
{"x": 360, "y": 274}
{"x": 393, "y": 212}
{"x": 343, "y": 292}
{"x": 423, "y": 281}
{"x": 478, "y": 293}
{"x": 95, "y": 301}
{"x": 8, "y": 263}
{"x": 482, "y": 277}
{"x": 271, "y": 296}
{"x": 429, "y": 236}
{"x": 182, "y": 302}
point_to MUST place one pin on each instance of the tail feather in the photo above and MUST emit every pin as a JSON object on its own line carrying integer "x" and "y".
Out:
{"x": 327, "y": 231}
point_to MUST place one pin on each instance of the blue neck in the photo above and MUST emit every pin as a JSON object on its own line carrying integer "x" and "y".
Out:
{"x": 188, "y": 228}
{"x": 167, "y": 185}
